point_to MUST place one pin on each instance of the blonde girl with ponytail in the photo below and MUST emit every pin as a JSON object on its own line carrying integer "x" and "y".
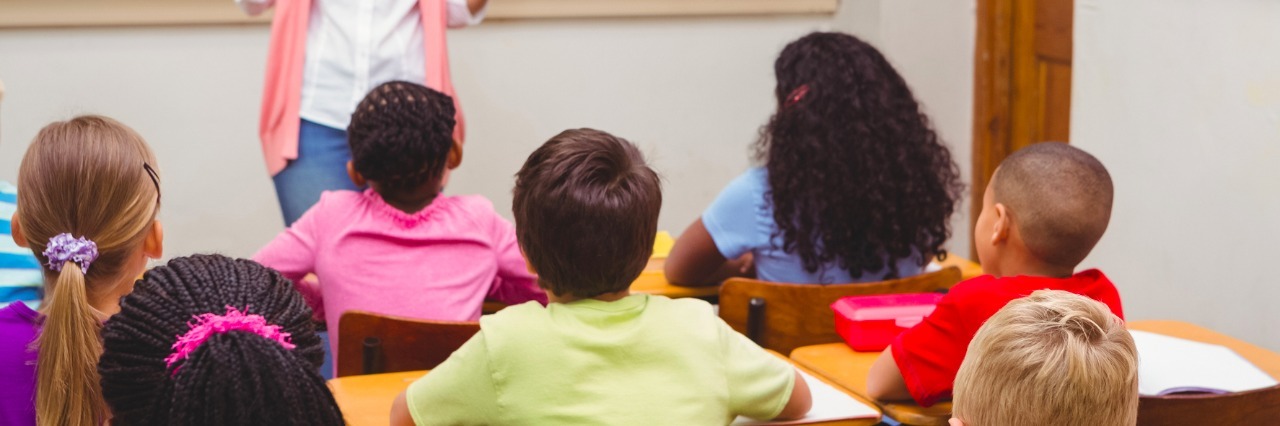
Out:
{"x": 88, "y": 194}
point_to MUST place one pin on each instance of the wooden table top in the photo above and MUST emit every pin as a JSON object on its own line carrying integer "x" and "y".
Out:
{"x": 968, "y": 269}
{"x": 653, "y": 281}
{"x": 366, "y": 400}
{"x": 848, "y": 369}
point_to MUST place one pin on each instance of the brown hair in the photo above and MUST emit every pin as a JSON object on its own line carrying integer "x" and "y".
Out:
{"x": 586, "y": 210}
{"x": 91, "y": 177}
{"x": 1059, "y": 198}
{"x": 1051, "y": 358}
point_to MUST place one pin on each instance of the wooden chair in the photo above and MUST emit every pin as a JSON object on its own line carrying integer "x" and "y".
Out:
{"x": 782, "y": 316}
{"x": 1255, "y": 407}
{"x": 369, "y": 343}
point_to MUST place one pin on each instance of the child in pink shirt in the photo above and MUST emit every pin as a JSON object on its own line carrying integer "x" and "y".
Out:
{"x": 401, "y": 247}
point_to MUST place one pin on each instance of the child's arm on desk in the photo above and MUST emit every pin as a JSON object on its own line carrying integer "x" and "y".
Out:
{"x": 695, "y": 260}
{"x": 800, "y": 403}
{"x": 884, "y": 381}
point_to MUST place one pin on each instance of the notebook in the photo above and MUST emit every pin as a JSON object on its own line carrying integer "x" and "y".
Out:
{"x": 1172, "y": 365}
{"x": 829, "y": 404}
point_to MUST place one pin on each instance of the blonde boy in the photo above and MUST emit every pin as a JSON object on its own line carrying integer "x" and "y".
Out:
{"x": 1052, "y": 358}
{"x": 1046, "y": 207}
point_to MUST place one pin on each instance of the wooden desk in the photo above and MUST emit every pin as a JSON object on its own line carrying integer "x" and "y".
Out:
{"x": 654, "y": 281}
{"x": 366, "y": 400}
{"x": 860, "y": 398}
{"x": 968, "y": 269}
{"x": 848, "y": 369}
{"x": 1265, "y": 360}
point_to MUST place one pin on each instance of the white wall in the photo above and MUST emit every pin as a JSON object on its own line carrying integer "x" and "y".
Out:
{"x": 1181, "y": 101}
{"x": 691, "y": 92}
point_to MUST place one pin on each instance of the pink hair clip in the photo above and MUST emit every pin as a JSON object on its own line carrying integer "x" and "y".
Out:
{"x": 797, "y": 95}
{"x": 205, "y": 326}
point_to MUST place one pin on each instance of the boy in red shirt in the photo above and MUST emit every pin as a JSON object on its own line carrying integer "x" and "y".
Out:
{"x": 1044, "y": 210}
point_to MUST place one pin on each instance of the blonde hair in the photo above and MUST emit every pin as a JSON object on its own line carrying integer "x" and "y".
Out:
{"x": 92, "y": 177}
{"x": 1051, "y": 358}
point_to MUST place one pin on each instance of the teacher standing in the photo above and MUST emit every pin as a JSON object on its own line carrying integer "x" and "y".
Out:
{"x": 324, "y": 56}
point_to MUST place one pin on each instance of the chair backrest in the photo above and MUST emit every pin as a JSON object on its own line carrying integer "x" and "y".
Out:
{"x": 783, "y": 316}
{"x": 370, "y": 343}
{"x": 1255, "y": 407}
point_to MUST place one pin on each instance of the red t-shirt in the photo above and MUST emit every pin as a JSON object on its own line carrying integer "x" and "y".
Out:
{"x": 929, "y": 354}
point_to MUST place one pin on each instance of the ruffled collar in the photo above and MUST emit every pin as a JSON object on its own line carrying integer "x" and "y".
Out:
{"x": 406, "y": 220}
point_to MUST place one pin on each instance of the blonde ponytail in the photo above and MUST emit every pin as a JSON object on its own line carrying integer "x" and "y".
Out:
{"x": 67, "y": 372}
{"x": 92, "y": 178}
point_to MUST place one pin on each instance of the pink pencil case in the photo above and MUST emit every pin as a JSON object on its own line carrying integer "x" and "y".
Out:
{"x": 870, "y": 323}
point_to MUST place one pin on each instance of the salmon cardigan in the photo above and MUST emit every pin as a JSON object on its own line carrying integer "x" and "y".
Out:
{"x": 279, "y": 120}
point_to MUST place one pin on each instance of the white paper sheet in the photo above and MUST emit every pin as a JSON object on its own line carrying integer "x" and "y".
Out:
{"x": 1166, "y": 363}
{"x": 829, "y": 403}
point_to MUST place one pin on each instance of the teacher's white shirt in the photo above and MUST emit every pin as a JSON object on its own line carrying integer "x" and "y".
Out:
{"x": 353, "y": 46}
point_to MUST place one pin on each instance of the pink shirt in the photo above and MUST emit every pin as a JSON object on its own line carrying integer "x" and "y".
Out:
{"x": 440, "y": 263}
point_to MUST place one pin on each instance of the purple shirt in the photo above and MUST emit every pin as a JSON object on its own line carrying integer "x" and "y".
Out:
{"x": 18, "y": 328}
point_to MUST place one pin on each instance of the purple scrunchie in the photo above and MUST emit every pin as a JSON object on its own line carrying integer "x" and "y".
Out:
{"x": 63, "y": 248}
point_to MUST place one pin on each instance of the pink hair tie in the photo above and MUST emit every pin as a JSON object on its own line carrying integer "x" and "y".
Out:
{"x": 205, "y": 326}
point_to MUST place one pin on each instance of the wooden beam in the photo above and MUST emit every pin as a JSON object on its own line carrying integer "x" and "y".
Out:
{"x": 118, "y": 13}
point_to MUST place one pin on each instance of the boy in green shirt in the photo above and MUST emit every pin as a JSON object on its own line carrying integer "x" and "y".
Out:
{"x": 586, "y": 209}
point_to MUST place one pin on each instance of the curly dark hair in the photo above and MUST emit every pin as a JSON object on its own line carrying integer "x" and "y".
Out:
{"x": 400, "y": 135}
{"x": 232, "y": 378}
{"x": 856, "y": 174}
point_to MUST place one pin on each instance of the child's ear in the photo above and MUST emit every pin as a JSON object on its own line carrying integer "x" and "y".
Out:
{"x": 455, "y": 155}
{"x": 955, "y": 422}
{"x": 1000, "y": 225}
{"x": 356, "y": 177}
{"x": 15, "y": 231}
{"x": 153, "y": 246}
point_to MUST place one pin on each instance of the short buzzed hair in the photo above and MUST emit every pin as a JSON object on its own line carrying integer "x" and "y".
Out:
{"x": 586, "y": 209}
{"x": 1051, "y": 358}
{"x": 1059, "y": 197}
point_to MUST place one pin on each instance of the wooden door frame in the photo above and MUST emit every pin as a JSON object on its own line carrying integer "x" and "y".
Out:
{"x": 998, "y": 55}
{"x": 992, "y": 99}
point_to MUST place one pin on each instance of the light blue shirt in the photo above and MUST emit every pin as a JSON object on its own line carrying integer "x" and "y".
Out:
{"x": 740, "y": 221}
{"x": 20, "y": 273}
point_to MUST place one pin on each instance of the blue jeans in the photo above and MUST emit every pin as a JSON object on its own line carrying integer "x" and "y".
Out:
{"x": 321, "y": 166}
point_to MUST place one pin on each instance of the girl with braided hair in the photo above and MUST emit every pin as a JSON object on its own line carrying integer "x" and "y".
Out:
{"x": 87, "y": 203}
{"x": 210, "y": 340}
{"x": 402, "y": 247}
{"x": 855, "y": 186}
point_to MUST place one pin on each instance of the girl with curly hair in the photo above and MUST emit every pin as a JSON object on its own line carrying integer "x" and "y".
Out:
{"x": 855, "y": 185}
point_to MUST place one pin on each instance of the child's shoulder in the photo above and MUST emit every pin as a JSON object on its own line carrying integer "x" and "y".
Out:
{"x": 991, "y": 288}
{"x": 472, "y": 203}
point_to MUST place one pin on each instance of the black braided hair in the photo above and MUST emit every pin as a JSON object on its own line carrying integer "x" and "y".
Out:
{"x": 857, "y": 175}
{"x": 236, "y": 378}
{"x": 400, "y": 135}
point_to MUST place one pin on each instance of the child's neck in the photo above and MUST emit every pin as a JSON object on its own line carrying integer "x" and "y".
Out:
{"x": 607, "y": 297}
{"x": 1033, "y": 267}
{"x": 410, "y": 201}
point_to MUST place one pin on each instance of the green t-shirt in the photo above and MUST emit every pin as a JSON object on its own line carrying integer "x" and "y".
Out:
{"x": 640, "y": 360}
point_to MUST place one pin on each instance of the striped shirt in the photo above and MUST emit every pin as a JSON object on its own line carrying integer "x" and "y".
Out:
{"x": 20, "y": 275}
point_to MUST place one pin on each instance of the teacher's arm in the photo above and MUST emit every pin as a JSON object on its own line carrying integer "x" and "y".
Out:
{"x": 256, "y": 7}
